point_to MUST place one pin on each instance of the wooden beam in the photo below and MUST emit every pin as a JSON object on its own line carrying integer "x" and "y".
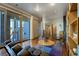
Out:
{"x": 21, "y": 30}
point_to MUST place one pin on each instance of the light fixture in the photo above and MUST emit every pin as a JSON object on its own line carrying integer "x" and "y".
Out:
{"x": 37, "y": 8}
{"x": 16, "y": 4}
{"x": 52, "y": 4}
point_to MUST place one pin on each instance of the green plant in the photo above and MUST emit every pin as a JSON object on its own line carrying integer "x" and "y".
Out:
{"x": 36, "y": 36}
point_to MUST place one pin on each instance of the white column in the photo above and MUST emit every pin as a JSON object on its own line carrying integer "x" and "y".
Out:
{"x": 42, "y": 25}
{"x": 43, "y": 22}
{"x": 31, "y": 30}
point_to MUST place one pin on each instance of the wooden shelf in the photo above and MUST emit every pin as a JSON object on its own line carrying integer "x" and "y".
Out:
{"x": 75, "y": 20}
{"x": 72, "y": 28}
{"x": 71, "y": 53}
{"x": 75, "y": 40}
{"x": 73, "y": 25}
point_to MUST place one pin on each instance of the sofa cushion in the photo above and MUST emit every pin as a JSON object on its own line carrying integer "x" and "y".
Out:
{"x": 17, "y": 48}
{"x": 1, "y": 46}
{"x": 11, "y": 44}
{"x": 3, "y": 52}
{"x": 24, "y": 52}
{"x": 44, "y": 54}
{"x": 36, "y": 52}
{"x": 7, "y": 41}
{"x": 31, "y": 50}
{"x": 9, "y": 50}
{"x": 27, "y": 47}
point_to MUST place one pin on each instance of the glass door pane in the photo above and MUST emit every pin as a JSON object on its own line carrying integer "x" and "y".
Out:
{"x": 2, "y": 27}
{"x": 26, "y": 29}
{"x": 14, "y": 28}
{"x": 17, "y": 28}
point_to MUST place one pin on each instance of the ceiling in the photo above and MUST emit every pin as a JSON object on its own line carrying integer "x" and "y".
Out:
{"x": 45, "y": 9}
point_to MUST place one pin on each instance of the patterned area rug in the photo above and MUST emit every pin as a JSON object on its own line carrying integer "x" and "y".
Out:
{"x": 55, "y": 50}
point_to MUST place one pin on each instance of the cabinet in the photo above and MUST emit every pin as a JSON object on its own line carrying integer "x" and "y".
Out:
{"x": 72, "y": 28}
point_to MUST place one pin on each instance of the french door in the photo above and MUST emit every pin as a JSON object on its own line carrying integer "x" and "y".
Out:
{"x": 14, "y": 27}
{"x": 25, "y": 29}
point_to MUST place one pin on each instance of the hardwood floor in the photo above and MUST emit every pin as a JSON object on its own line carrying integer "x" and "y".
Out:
{"x": 46, "y": 43}
{"x": 43, "y": 42}
{"x": 35, "y": 42}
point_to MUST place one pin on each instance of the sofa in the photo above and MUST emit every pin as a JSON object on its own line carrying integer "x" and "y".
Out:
{"x": 31, "y": 51}
{"x": 14, "y": 49}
